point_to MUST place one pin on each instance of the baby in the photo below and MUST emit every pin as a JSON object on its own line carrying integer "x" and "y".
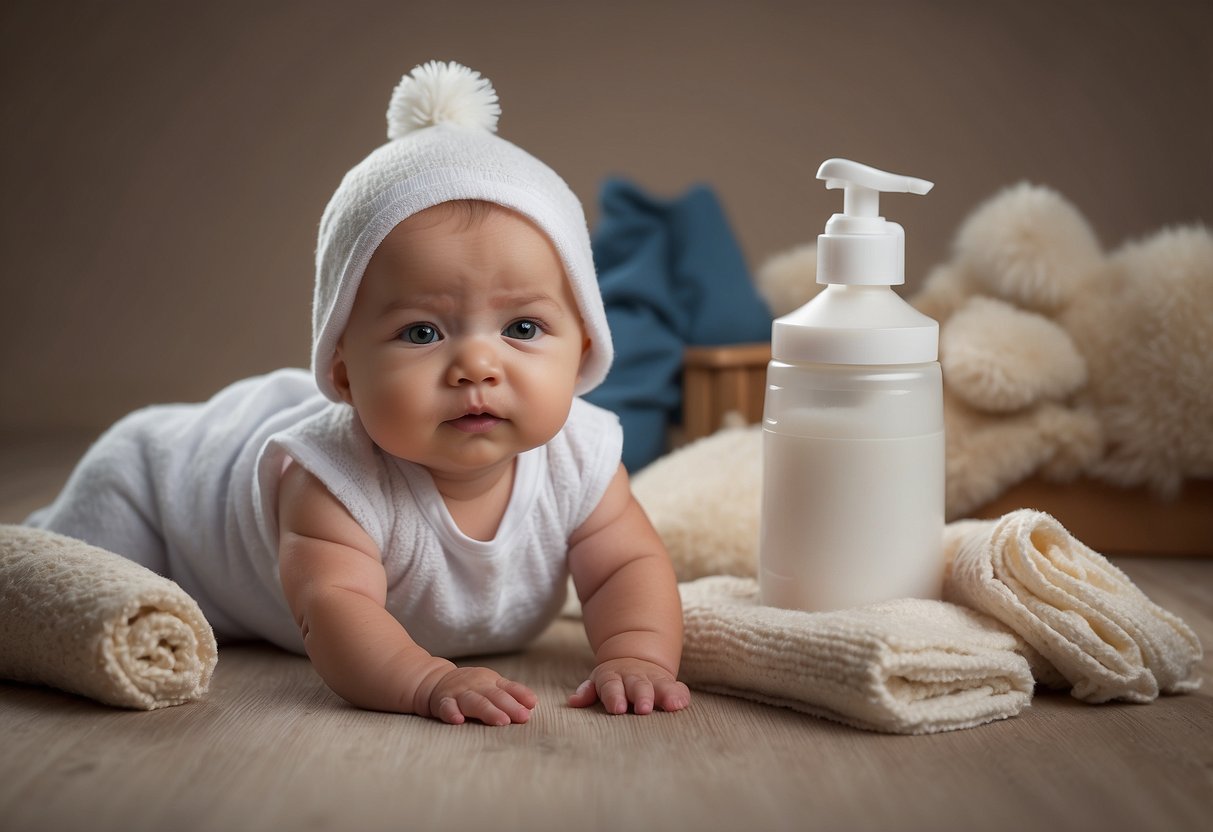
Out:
{"x": 426, "y": 491}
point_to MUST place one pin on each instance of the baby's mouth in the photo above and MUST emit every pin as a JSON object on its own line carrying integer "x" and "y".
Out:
{"x": 475, "y": 422}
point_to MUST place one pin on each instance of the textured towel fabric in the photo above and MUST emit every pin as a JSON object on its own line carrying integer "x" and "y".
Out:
{"x": 87, "y": 621}
{"x": 671, "y": 275}
{"x": 902, "y": 667}
{"x": 1094, "y": 630}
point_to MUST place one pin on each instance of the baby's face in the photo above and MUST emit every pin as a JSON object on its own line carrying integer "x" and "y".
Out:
{"x": 464, "y": 344}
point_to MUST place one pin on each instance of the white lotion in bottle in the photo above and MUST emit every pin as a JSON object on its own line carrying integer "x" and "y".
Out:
{"x": 853, "y": 450}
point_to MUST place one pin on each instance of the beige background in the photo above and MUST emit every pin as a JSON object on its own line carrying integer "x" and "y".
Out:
{"x": 165, "y": 163}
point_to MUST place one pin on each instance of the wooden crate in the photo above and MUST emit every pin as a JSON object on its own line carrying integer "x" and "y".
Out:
{"x": 719, "y": 380}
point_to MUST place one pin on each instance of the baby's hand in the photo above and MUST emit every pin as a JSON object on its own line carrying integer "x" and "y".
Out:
{"x": 479, "y": 693}
{"x": 644, "y": 684}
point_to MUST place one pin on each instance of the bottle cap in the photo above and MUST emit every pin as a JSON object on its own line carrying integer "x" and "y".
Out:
{"x": 860, "y": 247}
{"x": 858, "y": 319}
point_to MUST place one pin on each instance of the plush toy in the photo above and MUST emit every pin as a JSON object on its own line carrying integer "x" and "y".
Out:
{"x": 1060, "y": 360}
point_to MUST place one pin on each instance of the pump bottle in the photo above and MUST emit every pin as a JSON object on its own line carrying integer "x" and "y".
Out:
{"x": 853, "y": 442}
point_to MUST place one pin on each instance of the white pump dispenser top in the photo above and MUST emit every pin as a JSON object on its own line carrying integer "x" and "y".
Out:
{"x": 858, "y": 318}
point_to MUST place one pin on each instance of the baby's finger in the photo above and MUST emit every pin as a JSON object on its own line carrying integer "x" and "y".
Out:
{"x": 519, "y": 691}
{"x": 640, "y": 693}
{"x": 477, "y": 706}
{"x": 507, "y": 704}
{"x": 585, "y": 695}
{"x": 448, "y": 711}
{"x": 671, "y": 695}
{"x": 613, "y": 694}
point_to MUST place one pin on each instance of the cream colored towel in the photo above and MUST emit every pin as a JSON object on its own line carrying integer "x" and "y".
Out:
{"x": 1094, "y": 630}
{"x": 87, "y": 621}
{"x": 905, "y": 667}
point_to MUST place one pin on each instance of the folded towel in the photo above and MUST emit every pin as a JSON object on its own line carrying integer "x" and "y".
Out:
{"x": 1091, "y": 629}
{"x": 87, "y": 621}
{"x": 904, "y": 667}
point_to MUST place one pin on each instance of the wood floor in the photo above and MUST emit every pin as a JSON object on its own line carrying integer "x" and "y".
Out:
{"x": 271, "y": 749}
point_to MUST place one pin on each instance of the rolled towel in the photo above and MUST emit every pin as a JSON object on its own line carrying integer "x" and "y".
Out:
{"x": 903, "y": 667}
{"x": 1094, "y": 631}
{"x": 87, "y": 621}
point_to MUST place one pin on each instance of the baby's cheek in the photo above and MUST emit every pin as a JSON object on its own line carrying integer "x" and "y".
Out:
{"x": 389, "y": 415}
{"x": 398, "y": 393}
{"x": 550, "y": 408}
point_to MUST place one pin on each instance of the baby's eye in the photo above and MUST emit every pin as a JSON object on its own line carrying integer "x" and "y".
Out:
{"x": 420, "y": 334}
{"x": 523, "y": 330}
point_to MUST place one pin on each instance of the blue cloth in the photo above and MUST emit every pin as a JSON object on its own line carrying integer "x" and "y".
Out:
{"x": 671, "y": 275}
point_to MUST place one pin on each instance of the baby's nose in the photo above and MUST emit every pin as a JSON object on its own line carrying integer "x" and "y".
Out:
{"x": 476, "y": 362}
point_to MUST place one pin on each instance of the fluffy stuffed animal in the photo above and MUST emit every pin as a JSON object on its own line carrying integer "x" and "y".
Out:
{"x": 1060, "y": 360}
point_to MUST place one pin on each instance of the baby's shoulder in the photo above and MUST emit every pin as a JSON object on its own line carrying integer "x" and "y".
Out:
{"x": 590, "y": 433}
{"x": 332, "y": 447}
{"x": 586, "y": 419}
{"x": 583, "y": 458}
{"x": 332, "y": 433}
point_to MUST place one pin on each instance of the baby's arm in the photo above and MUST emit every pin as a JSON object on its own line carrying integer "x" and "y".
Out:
{"x": 630, "y": 604}
{"x": 333, "y": 578}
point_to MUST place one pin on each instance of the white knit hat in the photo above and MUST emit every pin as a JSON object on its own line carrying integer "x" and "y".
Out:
{"x": 442, "y": 147}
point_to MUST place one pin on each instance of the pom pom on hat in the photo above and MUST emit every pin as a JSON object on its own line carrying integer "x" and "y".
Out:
{"x": 442, "y": 93}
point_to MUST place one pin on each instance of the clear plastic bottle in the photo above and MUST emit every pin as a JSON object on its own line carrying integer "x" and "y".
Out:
{"x": 853, "y": 443}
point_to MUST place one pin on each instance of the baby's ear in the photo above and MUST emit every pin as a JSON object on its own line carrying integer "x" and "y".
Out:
{"x": 586, "y": 343}
{"x": 341, "y": 376}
